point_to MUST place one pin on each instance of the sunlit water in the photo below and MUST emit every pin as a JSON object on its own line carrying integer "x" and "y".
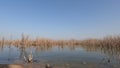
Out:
{"x": 73, "y": 56}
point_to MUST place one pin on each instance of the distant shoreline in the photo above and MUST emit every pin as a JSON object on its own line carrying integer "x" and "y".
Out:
{"x": 25, "y": 40}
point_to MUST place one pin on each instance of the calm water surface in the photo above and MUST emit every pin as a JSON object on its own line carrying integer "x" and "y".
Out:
{"x": 74, "y": 56}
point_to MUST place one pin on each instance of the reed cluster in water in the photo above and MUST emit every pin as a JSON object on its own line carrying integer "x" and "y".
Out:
{"x": 25, "y": 40}
{"x": 106, "y": 41}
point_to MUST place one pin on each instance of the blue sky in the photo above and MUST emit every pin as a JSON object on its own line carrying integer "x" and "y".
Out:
{"x": 60, "y": 19}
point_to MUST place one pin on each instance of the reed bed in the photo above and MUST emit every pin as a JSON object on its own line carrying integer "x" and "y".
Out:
{"x": 113, "y": 41}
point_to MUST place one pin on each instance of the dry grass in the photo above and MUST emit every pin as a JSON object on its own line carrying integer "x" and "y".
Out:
{"x": 25, "y": 40}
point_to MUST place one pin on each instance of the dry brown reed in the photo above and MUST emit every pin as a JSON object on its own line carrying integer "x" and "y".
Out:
{"x": 25, "y": 40}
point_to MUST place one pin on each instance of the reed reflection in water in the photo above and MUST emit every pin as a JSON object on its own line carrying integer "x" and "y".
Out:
{"x": 74, "y": 54}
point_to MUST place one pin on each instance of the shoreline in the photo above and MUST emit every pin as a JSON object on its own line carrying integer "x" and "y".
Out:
{"x": 42, "y": 65}
{"x": 25, "y": 40}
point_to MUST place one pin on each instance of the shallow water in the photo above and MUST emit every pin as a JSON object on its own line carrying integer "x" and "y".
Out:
{"x": 67, "y": 55}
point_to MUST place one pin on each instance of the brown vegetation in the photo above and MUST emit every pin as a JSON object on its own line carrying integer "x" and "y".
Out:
{"x": 25, "y": 40}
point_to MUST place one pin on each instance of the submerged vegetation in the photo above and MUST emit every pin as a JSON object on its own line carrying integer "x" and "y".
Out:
{"x": 113, "y": 41}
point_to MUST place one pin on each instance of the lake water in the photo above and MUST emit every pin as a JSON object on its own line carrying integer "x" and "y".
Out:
{"x": 67, "y": 55}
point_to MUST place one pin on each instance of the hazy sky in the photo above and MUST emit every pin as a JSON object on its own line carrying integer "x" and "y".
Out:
{"x": 59, "y": 19}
